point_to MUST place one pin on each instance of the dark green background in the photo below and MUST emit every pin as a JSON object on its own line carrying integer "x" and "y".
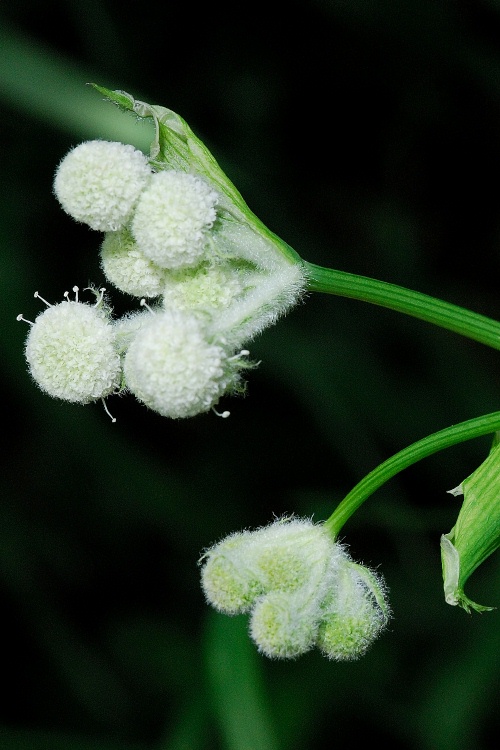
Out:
{"x": 366, "y": 135}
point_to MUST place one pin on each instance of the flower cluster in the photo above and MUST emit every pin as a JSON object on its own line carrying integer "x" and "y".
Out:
{"x": 177, "y": 237}
{"x": 301, "y": 588}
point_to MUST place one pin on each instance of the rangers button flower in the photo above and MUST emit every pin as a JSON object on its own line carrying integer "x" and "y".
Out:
{"x": 71, "y": 353}
{"x": 172, "y": 368}
{"x": 172, "y": 218}
{"x": 99, "y": 182}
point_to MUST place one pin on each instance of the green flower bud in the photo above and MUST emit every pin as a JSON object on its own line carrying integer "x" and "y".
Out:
{"x": 206, "y": 289}
{"x": 476, "y": 534}
{"x": 292, "y": 554}
{"x": 229, "y": 581}
{"x": 301, "y": 588}
{"x": 353, "y": 614}
{"x": 284, "y": 625}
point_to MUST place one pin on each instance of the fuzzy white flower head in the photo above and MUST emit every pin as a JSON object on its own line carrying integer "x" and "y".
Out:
{"x": 172, "y": 368}
{"x": 98, "y": 183}
{"x": 172, "y": 218}
{"x": 127, "y": 268}
{"x": 71, "y": 353}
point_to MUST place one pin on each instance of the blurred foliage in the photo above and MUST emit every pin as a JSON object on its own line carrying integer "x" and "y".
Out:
{"x": 367, "y": 135}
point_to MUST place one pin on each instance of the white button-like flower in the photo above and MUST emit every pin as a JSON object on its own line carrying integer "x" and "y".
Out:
{"x": 99, "y": 182}
{"x": 173, "y": 369}
{"x": 127, "y": 268}
{"x": 71, "y": 353}
{"x": 172, "y": 218}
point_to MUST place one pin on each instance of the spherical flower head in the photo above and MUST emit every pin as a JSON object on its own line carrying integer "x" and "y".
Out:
{"x": 209, "y": 288}
{"x": 71, "y": 353}
{"x": 172, "y": 368}
{"x": 98, "y": 183}
{"x": 172, "y": 218}
{"x": 354, "y": 613}
{"x": 127, "y": 268}
{"x": 284, "y": 625}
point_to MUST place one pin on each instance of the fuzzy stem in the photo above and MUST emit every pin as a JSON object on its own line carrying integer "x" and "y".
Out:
{"x": 453, "y": 435}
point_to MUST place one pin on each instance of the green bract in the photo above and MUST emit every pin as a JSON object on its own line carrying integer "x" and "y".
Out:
{"x": 176, "y": 147}
{"x": 476, "y": 534}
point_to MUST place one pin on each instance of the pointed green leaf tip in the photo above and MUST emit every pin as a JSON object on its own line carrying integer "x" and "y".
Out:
{"x": 175, "y": 146}
{"x": 476, "y": 534}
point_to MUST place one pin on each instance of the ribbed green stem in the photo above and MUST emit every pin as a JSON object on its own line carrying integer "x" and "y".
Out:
{"x": 452, "y": 317}
{"x": 431, "y": 444}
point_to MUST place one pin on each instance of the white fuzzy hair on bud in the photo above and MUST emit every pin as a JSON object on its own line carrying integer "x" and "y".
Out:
{"x": 70, "y": 350}
{"x": 354, "y": 613}
{"x": 173, "y": 369}
{"x": 210, "y": 288}
{"x": 172, "y": 218}
{"x": 98, "y": 183}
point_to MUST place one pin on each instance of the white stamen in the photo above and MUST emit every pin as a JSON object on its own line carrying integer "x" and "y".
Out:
{"x": 37, "y": 296}
{"x": 143, "y": 303}
{"x": 223, "y": 414}
{"x": 243, "y": 353}
{"x": 76, "y": 290}
{"x": 20, "y": 317}
{"x": 107, "y": 410}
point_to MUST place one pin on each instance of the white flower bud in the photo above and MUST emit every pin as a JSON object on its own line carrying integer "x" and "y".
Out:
{"x": 71, "y": 353}
{"x": 126, "y": 266}
{"x": 99, "y": 182}
{"x": 354, "y": 613}
{"x": 173, "y": 369}
{"x": 172, "y": 218}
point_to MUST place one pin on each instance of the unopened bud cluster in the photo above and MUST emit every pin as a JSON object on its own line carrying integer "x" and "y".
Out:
{"x": 301, "y": 588}
{"x": 207, "y": 281}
